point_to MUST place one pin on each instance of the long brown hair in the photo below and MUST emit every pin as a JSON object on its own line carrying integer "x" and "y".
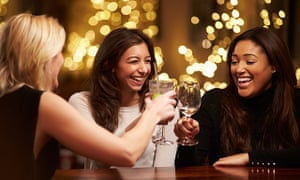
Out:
{"x": 235, "y": 132}
{"x": 105, "y": 91}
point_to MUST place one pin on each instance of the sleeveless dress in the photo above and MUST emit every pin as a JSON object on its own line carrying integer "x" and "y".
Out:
{"x": 18, "y": 117}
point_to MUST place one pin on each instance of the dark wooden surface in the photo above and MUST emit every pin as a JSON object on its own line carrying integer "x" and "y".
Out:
{"x": 191, "y": 173}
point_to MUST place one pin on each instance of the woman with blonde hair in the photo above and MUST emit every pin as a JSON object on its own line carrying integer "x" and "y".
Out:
{"x": 34, "y": 119}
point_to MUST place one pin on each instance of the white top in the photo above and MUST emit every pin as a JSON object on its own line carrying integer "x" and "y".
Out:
{"x": 165, "y": 154}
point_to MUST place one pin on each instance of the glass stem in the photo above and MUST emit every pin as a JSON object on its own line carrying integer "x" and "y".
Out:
{"x": 163, "y": 132}
{"x": 188, "y": 118}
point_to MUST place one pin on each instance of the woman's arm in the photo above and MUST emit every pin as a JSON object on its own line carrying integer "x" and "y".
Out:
{"x": 288, "y": 157}
{"x": 60, "y": 120}
{"x": 241, "y": 159}
{"x": 282, "y": 158}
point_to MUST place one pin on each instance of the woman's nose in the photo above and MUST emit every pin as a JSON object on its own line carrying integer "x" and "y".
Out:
{"x": 241, "y": 67}
{"x": 142, "y": 68}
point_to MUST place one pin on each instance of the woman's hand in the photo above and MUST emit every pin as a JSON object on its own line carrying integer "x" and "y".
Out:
{"x": 233, "y": 160}
{"x": 163, "y": 106}
{"x": 239, "y": 172}
{"x": 186, "y": 127}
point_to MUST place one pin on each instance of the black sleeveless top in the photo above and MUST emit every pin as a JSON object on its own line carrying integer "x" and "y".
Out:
{"x": 210, "y": 116}
{"x": 18, "y": 117}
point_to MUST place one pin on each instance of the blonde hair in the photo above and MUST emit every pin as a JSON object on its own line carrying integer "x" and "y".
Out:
{"x": 28, "y": 44}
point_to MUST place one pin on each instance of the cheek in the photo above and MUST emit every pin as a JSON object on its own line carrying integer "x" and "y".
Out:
{"x": 262, "y": 70}
{"x": 60, "y": 62}
{"x": 121, "y": 74}
{"x": 232, "y": 70}
{"x": 265, "y": 76}
{"x": 149, "y": 69}
{"x": 56, "y": 66}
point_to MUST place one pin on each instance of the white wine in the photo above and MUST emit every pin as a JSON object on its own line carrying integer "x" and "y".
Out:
{"x": 189, "y": 101}
{"x": 188, "y": 111}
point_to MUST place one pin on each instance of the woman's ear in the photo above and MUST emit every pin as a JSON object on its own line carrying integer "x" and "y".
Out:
{"x": 273, "y": 69}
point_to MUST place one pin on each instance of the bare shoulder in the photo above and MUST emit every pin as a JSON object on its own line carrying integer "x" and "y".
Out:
{"x": 55, "y": 114}
{"x": 55, "y": 108}
{"x": 51, "y": 100}
{"x": 47, "y": 95}
{"x": 53, "y": 103}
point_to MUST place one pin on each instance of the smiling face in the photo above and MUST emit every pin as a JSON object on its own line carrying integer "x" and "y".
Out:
{"x": 133, "y": 68}
{"x": 250, "y": 69}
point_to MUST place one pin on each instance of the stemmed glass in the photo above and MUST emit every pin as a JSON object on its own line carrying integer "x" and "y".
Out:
{"x": 189, "y": 101}
{"x": 157, "y": 87}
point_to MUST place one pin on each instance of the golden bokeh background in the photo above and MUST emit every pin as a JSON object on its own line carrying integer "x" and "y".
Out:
{"x": 191, "y": 37}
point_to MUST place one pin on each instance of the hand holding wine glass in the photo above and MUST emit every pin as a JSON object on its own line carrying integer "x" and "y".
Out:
{"x": 157, "y": 87}
{"x": 189, "y": 101}
{"x": 186, "y": 127}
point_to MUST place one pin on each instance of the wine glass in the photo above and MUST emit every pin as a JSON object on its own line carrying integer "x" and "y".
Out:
{"x": 189, "y": 101}
{"x": 157, "y": 87}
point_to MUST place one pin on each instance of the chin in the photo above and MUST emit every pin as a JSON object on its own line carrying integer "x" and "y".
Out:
{"x": 136, "y": 89}
{"x": 244, "y": 94}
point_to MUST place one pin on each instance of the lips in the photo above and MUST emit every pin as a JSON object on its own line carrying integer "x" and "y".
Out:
{"x": 138, "y": 80}
{"x": 243, "y": 82}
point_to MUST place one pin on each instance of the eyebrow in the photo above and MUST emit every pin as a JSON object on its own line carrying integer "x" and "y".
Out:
{"x": 244, "y": 55}
{"x": 135, "y": 56}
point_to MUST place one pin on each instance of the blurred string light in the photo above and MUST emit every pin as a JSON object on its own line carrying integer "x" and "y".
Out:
{"x": 3, "y": 10}
{"x": 142, "y": 14}
{"x": 271, "y": 19}
{"x": 109, "y": 15}
{"x": 298, "y": 76}
{"x": 227, "y": 19}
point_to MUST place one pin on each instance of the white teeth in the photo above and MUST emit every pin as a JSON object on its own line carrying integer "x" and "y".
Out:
{"x": 243, "y": 80}
{"x": 138, "y": 79}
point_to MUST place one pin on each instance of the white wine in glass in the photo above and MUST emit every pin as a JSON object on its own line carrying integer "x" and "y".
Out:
{"x": 189, "y": 101}
{"x": 157, "y": 87}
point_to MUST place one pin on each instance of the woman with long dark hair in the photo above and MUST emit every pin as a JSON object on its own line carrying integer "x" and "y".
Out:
{"x": 255, "y": 120}
{"x": 123, "y": 66}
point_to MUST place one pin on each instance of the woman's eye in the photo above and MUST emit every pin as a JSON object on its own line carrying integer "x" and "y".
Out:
{"x": 233, "y": 62}
{"x": 250, "y": 62}
{"x": 133, "y": 61}
{"x": 148, "y": 60}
